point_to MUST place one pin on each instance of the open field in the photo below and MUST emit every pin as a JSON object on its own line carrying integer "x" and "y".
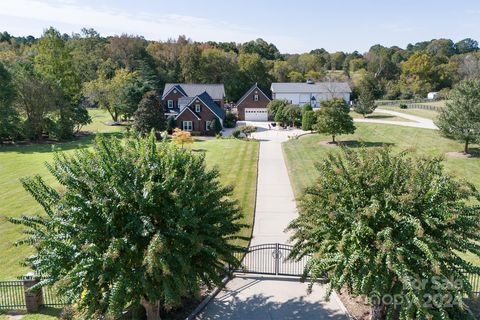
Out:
{"x": 235, "y": 159}
{"x": 302, "y": 154}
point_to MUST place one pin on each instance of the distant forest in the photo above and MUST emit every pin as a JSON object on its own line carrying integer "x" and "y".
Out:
{"x": 67, "y": 71}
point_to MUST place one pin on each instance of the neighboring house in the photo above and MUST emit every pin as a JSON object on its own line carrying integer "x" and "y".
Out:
{"x": 176, "y": 95}
{"x": 253, "y": 105}
{"x": 310, "y": 92}
{"x": 197, "y": 113}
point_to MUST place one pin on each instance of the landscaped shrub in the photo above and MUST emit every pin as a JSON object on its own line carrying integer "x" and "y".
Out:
{"x": 236, "y": 133}
{"x": 230, "y": 120}
{"x": 308, "y": 120}
{"x": 403, "y": 106}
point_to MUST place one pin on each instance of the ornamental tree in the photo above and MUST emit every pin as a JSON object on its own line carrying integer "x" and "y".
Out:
{"x": 182, "y": 137}
{"x": 149, "y": 115}
{"x": 333, "y": 118}
{"x": 380, "y": 224}
{"x": 366, "y": 101}
{"x": 460, "y": 119}
{"x": 134, "y": 222}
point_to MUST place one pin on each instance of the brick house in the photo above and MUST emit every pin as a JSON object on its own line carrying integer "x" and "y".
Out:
{"x": 176, "y": 95}
{"x": 253, "y": 105}
{"x": 198, "y": 113}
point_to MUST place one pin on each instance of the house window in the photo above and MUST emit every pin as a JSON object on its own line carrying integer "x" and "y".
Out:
{"x": 255, "y": 97}
{"x": 207, "y": 125}
{"x": 197, "y": 108}
{"x": 187, "y": 126}
{"x": 170, "y": 104}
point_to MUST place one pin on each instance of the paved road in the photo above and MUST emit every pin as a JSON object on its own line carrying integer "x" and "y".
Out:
{"x": 416, "y": 122}
{"x": 266, "y": 297}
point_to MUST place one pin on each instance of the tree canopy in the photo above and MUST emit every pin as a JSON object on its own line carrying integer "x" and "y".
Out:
{"x": 334, "y": 119}
{"x": 389, "y": 227}
{"x": 136, "y": 222}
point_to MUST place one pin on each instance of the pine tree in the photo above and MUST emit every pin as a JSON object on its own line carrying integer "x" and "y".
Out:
{"x": 460, "y": 119}
{"x": 149, "y": 115}
{"x": 380, "y": 224}
{"x": 216, "y": 125}
{"x": 135, "y": 222}
{"x": 333, "y": 118}
{"x": 366, "y": 101}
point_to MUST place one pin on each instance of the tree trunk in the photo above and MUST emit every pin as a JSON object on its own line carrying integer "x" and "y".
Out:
{"x": 466, "y": 146}
{"x": 152, "y": 309}
{"x": 377, "y": 312}
{"x": 333, "y": 138}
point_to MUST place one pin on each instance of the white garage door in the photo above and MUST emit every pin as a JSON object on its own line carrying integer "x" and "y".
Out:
{"x": 256, "y": 114}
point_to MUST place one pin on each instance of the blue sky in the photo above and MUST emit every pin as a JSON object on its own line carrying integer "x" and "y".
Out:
{"x": 293, "y": 26}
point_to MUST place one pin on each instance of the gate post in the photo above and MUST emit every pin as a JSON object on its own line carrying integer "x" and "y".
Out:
{"x": 277, "y": 258}
{"x": 33, "y": 299}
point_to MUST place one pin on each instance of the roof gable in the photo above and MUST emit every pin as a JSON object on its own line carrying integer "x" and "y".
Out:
{"x": 209, "y": 103}
{"x": 216, "y": 91}
{"x": 255, "y": 86}
{"x": 187, "y": 108}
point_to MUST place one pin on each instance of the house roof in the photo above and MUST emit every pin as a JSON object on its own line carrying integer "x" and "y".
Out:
{"x": 187, "y": 109}
{"x": 216, "y": 91}
{"x": 303, "y": 87}
{"x": 255, "y": 86}
{"x": 212, "y": 105}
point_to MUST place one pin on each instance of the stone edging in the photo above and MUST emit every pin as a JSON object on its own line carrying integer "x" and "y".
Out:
{"x": 341, "y": 305}
{"x": 207, "y": 299}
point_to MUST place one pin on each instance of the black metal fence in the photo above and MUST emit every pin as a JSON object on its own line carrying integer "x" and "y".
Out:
{"x": 409, "y": 104}
{"x": 271, "y": 258}
{"x": 12, "y": 295}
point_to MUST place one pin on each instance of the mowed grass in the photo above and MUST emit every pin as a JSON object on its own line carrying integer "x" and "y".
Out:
{"x": 235, "y": 159}
{"x": 424, "y": 113}
{"x": 302, "y": 154}
{"x": 378, "y": 116}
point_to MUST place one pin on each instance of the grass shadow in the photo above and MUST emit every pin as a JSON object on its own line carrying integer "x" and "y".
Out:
{"x": 42, "y": 147}
{"x": 365, "y": 144}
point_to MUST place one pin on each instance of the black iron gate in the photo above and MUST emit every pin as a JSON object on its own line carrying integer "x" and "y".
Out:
{"x": 272, "y": 258}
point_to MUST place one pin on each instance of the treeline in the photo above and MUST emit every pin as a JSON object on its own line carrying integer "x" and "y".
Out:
{"x": 47, "y": 82}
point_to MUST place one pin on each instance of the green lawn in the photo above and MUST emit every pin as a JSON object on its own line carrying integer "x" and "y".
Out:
{"x": 429, "y": 114}
{"x": 236, "y": 160}
{"x": 378, "y": 116}
{"x": 303, "y": 153}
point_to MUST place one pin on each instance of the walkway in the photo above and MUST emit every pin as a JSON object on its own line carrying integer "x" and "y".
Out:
{"x": 266, "y": 297}
{"x": 416, "y": 122}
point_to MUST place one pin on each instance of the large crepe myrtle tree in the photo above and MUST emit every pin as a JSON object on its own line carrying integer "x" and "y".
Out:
{"x": 133, "y": 222}
{"x": 386, "y": 225}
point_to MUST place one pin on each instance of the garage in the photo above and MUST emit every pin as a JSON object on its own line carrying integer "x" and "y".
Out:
{"x": 256, "y": 114}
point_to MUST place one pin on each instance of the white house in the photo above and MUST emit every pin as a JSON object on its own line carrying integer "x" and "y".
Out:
{"x": 299, "y": 93}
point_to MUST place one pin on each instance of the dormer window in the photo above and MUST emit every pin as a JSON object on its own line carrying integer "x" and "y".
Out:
{"x": 198, "y": 108}
{"x": 255, "y": 97}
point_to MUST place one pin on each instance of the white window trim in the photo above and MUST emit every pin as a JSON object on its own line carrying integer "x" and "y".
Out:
{"x": 198, "y": 108}
{"x": 186, "y": 127}
{"x": 207, "y": 125}
{"x": 255, "y": 97}
{"x": 170, "y": 104}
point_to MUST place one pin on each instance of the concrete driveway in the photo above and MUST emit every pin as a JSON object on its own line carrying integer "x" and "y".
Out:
{"x": 268, "y": 297}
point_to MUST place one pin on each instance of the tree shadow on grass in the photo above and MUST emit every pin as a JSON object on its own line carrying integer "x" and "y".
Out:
{"x": 380, "y": 117}
{"x": 81, "y": 142}
{"x": 365, "y": 144}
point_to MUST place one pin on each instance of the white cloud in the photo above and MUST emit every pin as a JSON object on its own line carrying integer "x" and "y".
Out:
{"x": 113, "y": 21}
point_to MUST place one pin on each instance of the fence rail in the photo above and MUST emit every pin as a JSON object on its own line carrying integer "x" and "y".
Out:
{"x": 410, "y": 105}
{"x": 12, "y": 294}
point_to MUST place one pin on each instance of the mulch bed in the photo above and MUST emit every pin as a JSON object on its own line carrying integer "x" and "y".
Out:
{"x": 356, "y": 307}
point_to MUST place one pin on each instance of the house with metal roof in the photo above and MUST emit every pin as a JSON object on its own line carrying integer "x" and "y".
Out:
{"x": 313, "y": 93}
